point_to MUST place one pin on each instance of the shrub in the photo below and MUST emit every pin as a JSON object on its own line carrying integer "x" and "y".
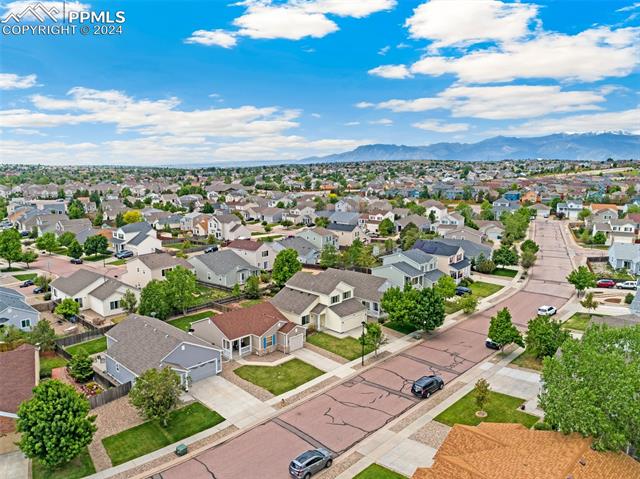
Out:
{"x": 47, "y": 296}
{"x": 542, "y": 426}
{"x": 628, "y": 299}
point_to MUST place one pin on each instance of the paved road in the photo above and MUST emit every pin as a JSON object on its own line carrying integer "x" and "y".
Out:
{"x": 349, "y": 412}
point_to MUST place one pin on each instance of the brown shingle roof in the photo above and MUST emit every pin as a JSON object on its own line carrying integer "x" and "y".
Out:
{"x": 255, "y": 320}
{"x": 499, "y": 451}
{"x": 17, "y": 377}
{"x": 248, "y": 245}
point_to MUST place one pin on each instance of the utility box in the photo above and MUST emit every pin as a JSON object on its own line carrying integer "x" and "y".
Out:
{"x": 181, "y": 450}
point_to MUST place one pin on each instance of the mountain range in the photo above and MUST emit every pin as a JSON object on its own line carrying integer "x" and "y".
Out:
{"x": 561, "y": 146}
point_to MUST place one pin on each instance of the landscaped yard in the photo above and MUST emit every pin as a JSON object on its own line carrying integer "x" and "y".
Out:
{"x": 151, "y": 435}
{"x": 279, "y": 379}
{"x": 91, "y": 347}
{"x": 528, "y": 360}
{"x": 579, "y": 321}
{"x": 118, "y": 262}
{"x": 482, "y": 289}
{"x": 499, "y": 408}
{"x": 506, "y": 273}
{"x": 247, "y": 303}
{"x": 97, "y": 257}
{"x": 400, "y": 327}
{"x": 205, "y": 294}
{"x": 47, "y": 363}
{"x": 26, "y": 276}
{"x": 349, "y": 348}
{"x": 184, "y": 322}
{"x": 81, "y": 466}
{"x": 375, "y": 471}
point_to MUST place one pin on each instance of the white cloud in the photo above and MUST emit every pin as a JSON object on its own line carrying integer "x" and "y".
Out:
{"x": 397, "y": 72}
{"x": 11, "y": 81}
{"x": 382, "y": 121}
{"x": 220, "y": 38}
{"x": 316, "y": 115}
{"x": 627, "y": 120}
{"x": 440, "y": 127}
{"x": 44, "y": 10}
{"x": 291, "y": 20}
{"x": 28, "y": 132}
{"x": 500, "y": 102}
{"x": 384, "y": 50}
{"x": 364, "y": 104}
{"x": 352, "y": 123}
{"x": 449, "y": 23}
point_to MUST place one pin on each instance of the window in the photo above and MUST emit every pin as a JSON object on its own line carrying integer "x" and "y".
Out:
{"x": 79, "y": 301}
{"x": 114, "y": 305}
{"x": 164, "y": 272}
{"x": 335, "y": 299}
{"x": 268, "y": 341}
{"x": 346, "y": 295}
{"x": 265, "y": 253}
{"x": 305, "y": 319}
{"x": 25, "y": 323}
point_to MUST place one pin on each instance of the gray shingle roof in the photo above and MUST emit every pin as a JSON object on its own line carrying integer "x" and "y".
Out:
{"x": 418, "y": 256}
{"x": 222, "y": 262}
{"x": 163, "y": 260}
{"x": 365, "y": 286}
{"x": 436, "y": 247}
{"x": 407, "y": 269}
{"x": 471, "y": 249}
{"x": 301, "y": 245}
{"x": 293, "y": 300}
{"x": 13, "y": 299}
{"x": 107, "y": 288}
{"x": 75, "y": 282}
{"x": 348, "y": 307}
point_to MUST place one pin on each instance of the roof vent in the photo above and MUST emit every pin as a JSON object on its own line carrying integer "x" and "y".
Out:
{"x": 183, "y": 347}
{"x": 166, "y": 335}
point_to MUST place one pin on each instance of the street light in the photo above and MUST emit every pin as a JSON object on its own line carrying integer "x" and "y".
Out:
{"x": 364, "y": 323}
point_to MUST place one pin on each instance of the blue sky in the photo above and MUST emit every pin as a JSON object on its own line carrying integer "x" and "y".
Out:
{"x": 215, "y": 81}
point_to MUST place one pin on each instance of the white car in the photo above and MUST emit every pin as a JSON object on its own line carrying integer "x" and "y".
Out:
{"x": 627, "y": 285}
{"x": 547, "y": 310}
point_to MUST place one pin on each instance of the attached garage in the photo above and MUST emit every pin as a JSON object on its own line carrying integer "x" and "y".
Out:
{"x": 204, "y": 370}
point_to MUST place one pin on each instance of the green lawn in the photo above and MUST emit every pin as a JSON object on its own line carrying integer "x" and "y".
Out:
{"x": 118, "y": 262}
{"x": 150, "y": 436}
{"x": 279, "y": 379}
{"x": 506, "y": 273}
{"x": 401, "y": 327}
{"x": 451, "y": 306}
{"x": 349, "y": 348}
{"x": 499, "y": 407}
{"x": 26, "y": 276}
{"x": 91, "y": 347}
{"x": 47, "y": 363}
{"x": 528, "y": 360}
{"x": 81, "y": 466}
{"x": 205, "y": 294}
{"x": 375, "y": 471}
{"x": 184, "y": 322}
{"x": 482, "y": 289}
{"x": 251, "y": 302}
{"x": 13, "y": 269}
{"x": 578, "y": 321}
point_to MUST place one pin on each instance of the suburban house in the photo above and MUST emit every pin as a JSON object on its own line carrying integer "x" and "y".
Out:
{"x": 472, "y": 250}
{"x": 541, "y": 210}
{"x": 347, "y": 233}
{"x": 227, "y": 227}
{"x": 570, "y": 209}
{"x": 319, "y": 237}
{"x": 320, "y": 300}
{"x": 19, "y": 374}
{"x": 616, "y": 231}
{"x": 259, "y": 329}
{"x": 463, "y": 232}
{"x": 451, "y": 258}
{"x": 496, "y": 451}
{"x": 14, "y": 310}
{"x": 493, "y": 230}
{"x": 625, "y": 256}
{"x": 144, "y": 268}
{"x": 257, "y": 253}
{"x": 92, "y": 291}
{"x": 222, "y": 268}
{"x": 421, "y": 222}
{"x": 503, "y": 205}
{"x": 139, "y": 238}
{"x": 366, "y": 288}
{"x": 307, "y": 252}
{"x": 413, "y": 267}
{"x": 139, "y": 343}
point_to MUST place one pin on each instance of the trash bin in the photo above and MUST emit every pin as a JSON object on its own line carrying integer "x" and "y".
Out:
{"x": 181, "y": 450}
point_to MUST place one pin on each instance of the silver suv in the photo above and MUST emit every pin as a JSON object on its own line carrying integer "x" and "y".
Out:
{"x": 310, "y": 462}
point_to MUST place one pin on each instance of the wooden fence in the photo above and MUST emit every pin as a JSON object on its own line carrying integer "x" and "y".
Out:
{"x": 82, "y": 337}
{"x": 109, "y": 395}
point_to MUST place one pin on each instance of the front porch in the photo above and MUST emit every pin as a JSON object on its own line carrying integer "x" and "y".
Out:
{"x": 236, "y": 348}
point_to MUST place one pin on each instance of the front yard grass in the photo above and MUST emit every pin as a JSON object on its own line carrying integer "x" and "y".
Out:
{"x": 97, "y": 257}
{"x": 25, "y": 277}
{"x": 93, "y": 346}
{"x": 579, "y": 321}
{"x": 505, "y": 273}
{"x": 349, "y": 348}
{"x": 279, "y": 379}
{"x": 184, "y": 322}
{"x": 151, "y": 435}
{"x": 528, "y": 360}
{"x": 399, "y": 326}
{"x": 482, "y": 289}
{"x": 375, "y": 471}
{"x": 499, "y": 408}
{"x": 47, "y": 363}
{"x": 80, "y": 466}
{"x": 118, "y": 262}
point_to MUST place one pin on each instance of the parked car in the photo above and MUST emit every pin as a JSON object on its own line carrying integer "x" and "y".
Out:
{"x": 627, "y": 285}
{"x": 427, "y": 385}
{"x": 76, "y": 261}
{"x": 24, "y": 233}
{"x": 310, "y": 462}
{"x": 27, "y": 283}
{"x": 547, "y": 310}
{"x": 211, "y": 249}
{"x": 125, "y": 253}
{"x": 39, "y": 290}
{"x": 605, "y": 283}
{"x": 491, "y": 344}
{"x": 461, "y": 291}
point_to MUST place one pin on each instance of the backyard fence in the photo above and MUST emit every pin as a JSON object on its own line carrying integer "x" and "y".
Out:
{"x": 82, "y": 337}
{"x": 109, "y": 395}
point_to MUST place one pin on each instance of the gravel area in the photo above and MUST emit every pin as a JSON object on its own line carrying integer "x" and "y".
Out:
{"x": 339, "y": 467}
{"x": 325, "y": 353}
{"x": 171, "y": 457}
{"x": 426, "y": 406}
{"x": 228, "y": 373}
{"x": 432, "y": 434}
{"x": 111, "y": 418}
{"x": 307, "y": 392}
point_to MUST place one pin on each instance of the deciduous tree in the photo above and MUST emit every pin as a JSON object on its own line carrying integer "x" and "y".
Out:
{"x": 129, "y": 302}
{"x": 47, "y": 242}
{"x": 154, "y": 301}
{"x": 285, "y": 266}
{"x": 132, "y": 216}
{"x": 502, "y": 330}
{"x": 252, "y": 287}
{"x": 329, "y": 257}
{"x": 156, "y": 393}
{"x": 80, "y": 366}
{"x": 75, "y": 249}
{"x": 545, "y": 336}
{"x": 10, "y": 246}
{"x": 29, "y": 257}
{"x": 582, "y": 278}
{"x": 43, "y": 335}
{"x": 67, "y": 308}
{"x": 386, "y": 227}
{"x": 96, "y": 244}
{"x": 445, "y": 286}
{"x": 481, "y": 392}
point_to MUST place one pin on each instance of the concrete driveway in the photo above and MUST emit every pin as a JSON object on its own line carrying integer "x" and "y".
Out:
{"x": 234, "y": 403}
{"x": 14, "y": 465}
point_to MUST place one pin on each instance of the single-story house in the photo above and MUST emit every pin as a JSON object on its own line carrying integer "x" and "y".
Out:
{"x": 222, "y": 268}
{"x": 14, "y": 310}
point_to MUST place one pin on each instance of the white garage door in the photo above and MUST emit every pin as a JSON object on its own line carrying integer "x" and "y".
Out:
{"x": 296, "y": 342}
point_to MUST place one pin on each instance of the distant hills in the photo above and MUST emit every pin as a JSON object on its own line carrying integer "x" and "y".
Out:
{"x": 562, "y": 146}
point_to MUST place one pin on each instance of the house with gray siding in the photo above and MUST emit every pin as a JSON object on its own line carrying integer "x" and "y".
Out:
{"x": 140, "y": 343}
{"x": 625, "y": 256}
{"x": 14, "y": 311}
{"x": 412, "y": 267}
{"x": 222, "y": 268}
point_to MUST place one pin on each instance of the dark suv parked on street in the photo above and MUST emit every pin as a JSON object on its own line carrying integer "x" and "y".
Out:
{"x": 427, "y": 385}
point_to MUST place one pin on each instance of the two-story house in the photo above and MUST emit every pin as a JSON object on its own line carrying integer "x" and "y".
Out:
{"x": 257, "y": 253}
{"x": 14, "y": 310}
{"x": 139, "y": 238}
{"x": 142, "y": 269}
{"x": 319, "y": 237}
{"x": 451, "y": 258}
{"x": 413, "y": 267}
{"x": 570, "y": 209}
{"x": 227, "y": 227}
